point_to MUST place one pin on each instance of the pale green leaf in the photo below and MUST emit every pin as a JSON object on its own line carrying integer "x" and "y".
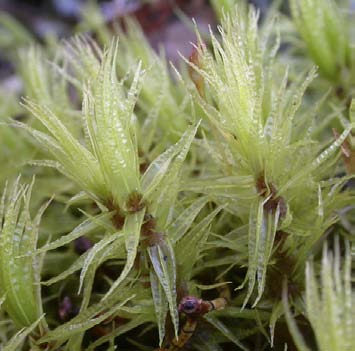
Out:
{"x": 182, "y": 224}
{"x": 76, "y": 160}
{"x": 257, "y": 231}
{"x": 17, "y": 340}
{"x": 110, "y": 129}
{"x": 163, "y": 260}
{"x": 93, "y": 257}
{"x": 189, "y": 247}
{"x": 19, "y": 269}
{"x": 160, "y": 304}
{"x": 160, "y": 166}
{"x": 82, "y": 229}
{"x": 131, "y": 230}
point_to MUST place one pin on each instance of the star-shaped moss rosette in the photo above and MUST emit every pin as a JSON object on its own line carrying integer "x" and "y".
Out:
{"x": 325, "y": 28}
{"x": 152, "y": 208}
{"x": 266, "y": 158}
{"x": 20, "y": 267}
{"x": 329, "y": 301}
{"x": 106, "y": 168}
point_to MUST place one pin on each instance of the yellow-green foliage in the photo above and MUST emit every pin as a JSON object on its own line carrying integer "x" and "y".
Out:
{"x": 20, "y": 268}
{"x": 325, "y": 31}
{"x": 329, "y": 302}
{"x": 219, "y": 181}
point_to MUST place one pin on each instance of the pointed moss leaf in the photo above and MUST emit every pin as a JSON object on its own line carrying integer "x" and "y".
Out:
{"x": 19, "y": 269}
{"x": 163, "y": 260}
{"x": 163, "y": 199}
{"x": 74, "y": 343}
{"x": 222, "y": 328}
{"x": 323, "y": 30}
{"x": 82, "y": 229}
{"x": 211, "y": 286}
{"x": 333, "y": 147}
{"x": 257, "y": 233}
{"x": 157, "y": 169}
{"x": 78, "y": 198}
{"x": 45, "y": 141}
{"x": 131, "y": 230}
{"x": 45, "y": 163}
{"x": 329, "y": 303}
{"x": 159, "y": 91}
{"x": 231, "y": 187}
{"x": 89, "y": 281}
{"x": 296, "y": 100}
{"x": 84, "y": 56}
{"x": 182, "y": 224}
{"x": 43, "y": 84}
{"x": 160, "y": 166}
{"x": 16, "y": 341}
{"x": 320, "y": 160}
{"x": 234, "y": 76}
{"x": 80, "y": 323}
{"x": 94, "y": 255}
{"x": 106, "y": 252}
{"x": 150, "y": 126}
{"x": 189, "y": 247}
{"x": 265, "y": 249}
{"x": 160, "y": 305}
{"x": 75, "y": 159}
{"x": 100, "y": 222}
{"x": 110, "y": 128}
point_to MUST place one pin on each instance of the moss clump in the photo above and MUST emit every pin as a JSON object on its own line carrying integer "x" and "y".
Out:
{"x": 186, "y": 209}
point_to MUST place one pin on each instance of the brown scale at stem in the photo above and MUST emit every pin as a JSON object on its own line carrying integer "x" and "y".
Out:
{"x": 143, "y": 167}
{"x": 196, "y": 77}
{"x": 347, "y": 153}
{"x": 268, "y": 190}
{"x": 135, "y": 202}
{"x": 150, "y": 236}
{"x": 117, "y": 218}
{"x": 193, "y": 308}
{"x": 343, "y": 95}
{"x": 340, "y": 92}
{"x": 144, "y": 162}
